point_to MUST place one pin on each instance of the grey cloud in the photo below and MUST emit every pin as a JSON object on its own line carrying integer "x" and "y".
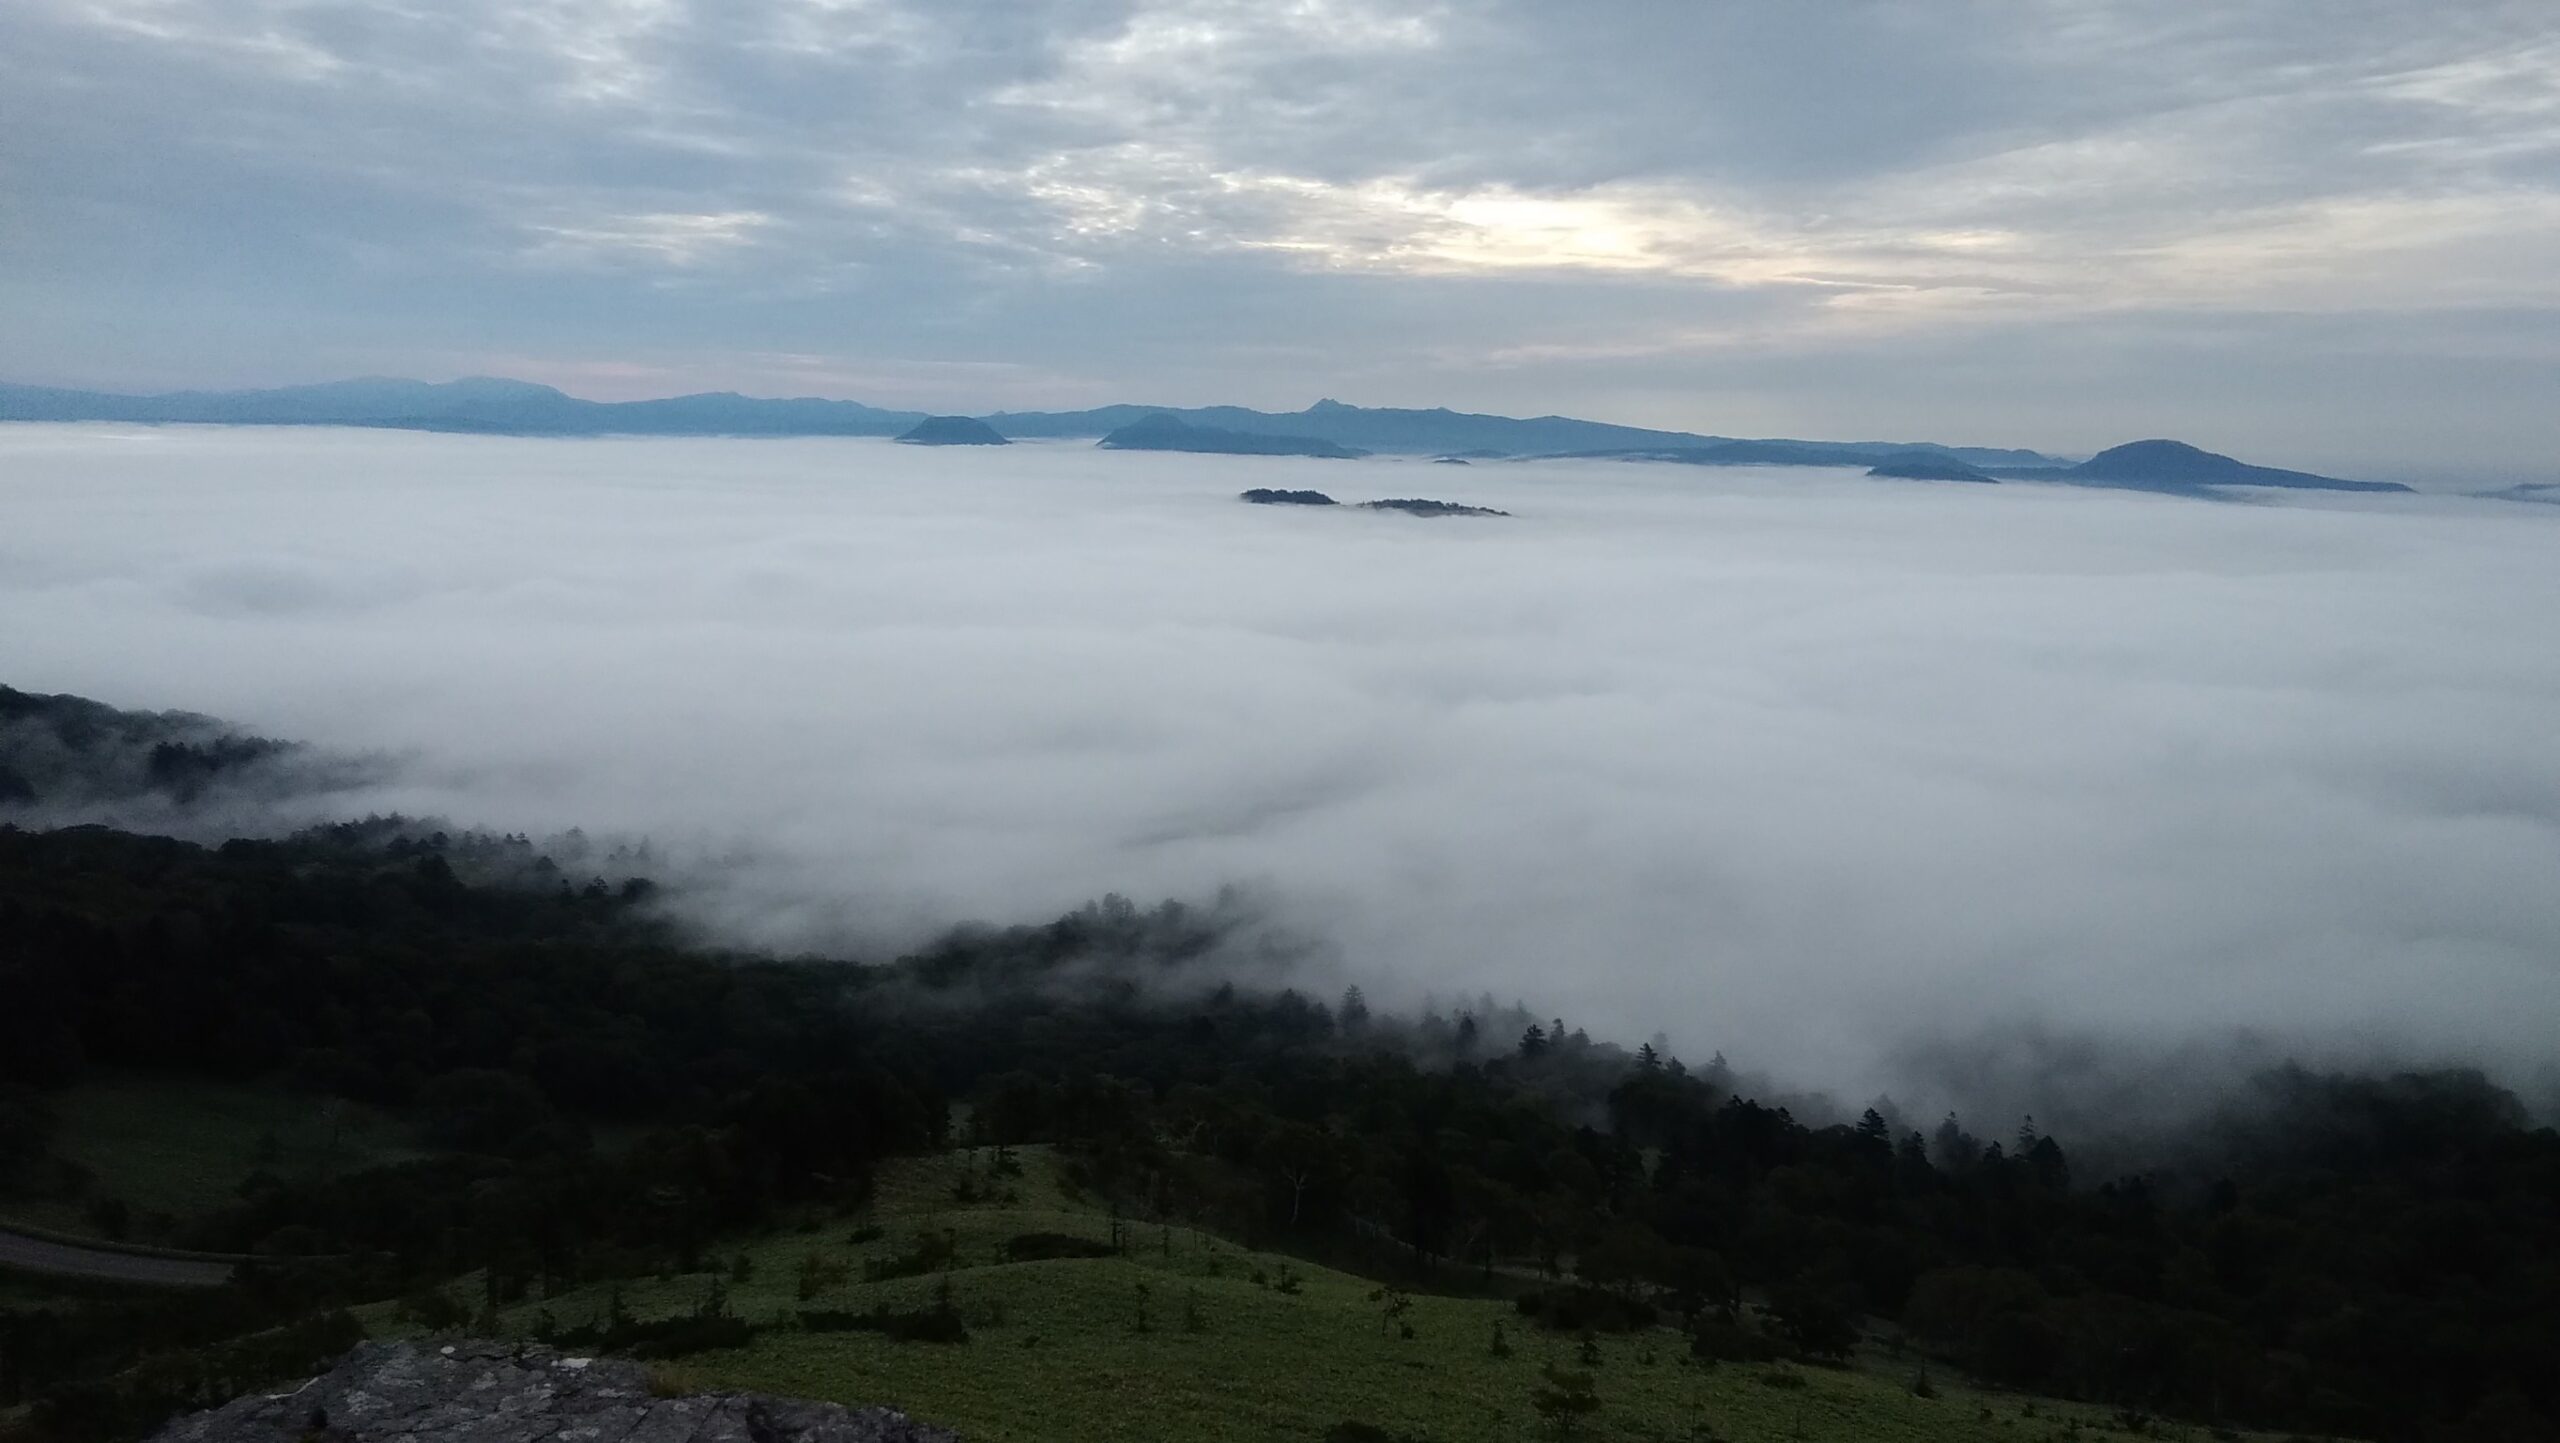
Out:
{"x": 1804, "y": 767}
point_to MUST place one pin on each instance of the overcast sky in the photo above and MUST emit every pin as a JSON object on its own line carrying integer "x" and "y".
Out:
{"x": 2314, "y": 234}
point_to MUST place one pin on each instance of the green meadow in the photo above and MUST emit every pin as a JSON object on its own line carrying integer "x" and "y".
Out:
{"x": 172, "y": 1147}
{"x": 1184, "y": 1335}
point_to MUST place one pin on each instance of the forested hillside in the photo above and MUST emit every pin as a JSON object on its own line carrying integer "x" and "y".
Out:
{"x": 2377, "y": 1257}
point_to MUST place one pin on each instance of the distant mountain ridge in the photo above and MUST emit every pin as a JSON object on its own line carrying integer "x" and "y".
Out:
{"x": 497, "y": 406}
{"x": 485, "y": 404}
{"x": 1160, "y": 432}
{"x": 492, "y": 405}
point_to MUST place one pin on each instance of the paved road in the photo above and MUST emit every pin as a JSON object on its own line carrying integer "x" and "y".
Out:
{"x": 65, "y": 1260}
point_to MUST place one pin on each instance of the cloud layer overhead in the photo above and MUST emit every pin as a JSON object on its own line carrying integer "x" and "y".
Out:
{"x": 2315, "y": 234}
{"x": 1803, "y": 766}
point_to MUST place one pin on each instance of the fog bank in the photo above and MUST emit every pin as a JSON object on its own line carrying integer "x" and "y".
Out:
{"x": 1812, "y": 769}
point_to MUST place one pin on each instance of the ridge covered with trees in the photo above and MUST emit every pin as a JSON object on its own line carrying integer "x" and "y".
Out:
{"x": 2379, "y": 1261}
{"x": 2372, "y": 1256}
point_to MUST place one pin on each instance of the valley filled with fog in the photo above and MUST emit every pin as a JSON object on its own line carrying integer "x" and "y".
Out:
{"x": 1828, "y": 773}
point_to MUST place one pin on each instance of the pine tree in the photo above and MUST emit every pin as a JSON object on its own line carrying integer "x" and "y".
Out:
{"x": 1354, "y": 1011}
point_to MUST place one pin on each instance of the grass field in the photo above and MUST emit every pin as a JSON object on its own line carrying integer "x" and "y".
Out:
{"x": 177, "y": 1147}
{"x": 1057, "y": 1351}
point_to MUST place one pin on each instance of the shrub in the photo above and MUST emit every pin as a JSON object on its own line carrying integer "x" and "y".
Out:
{"x": 432, "y": 1309}
{"x": 929, "y": 1325}
{"x": 1564, "y": 1399}
{"x": 1036, "y": 1247}
{"x": 678, "y": 1337}
{"x": 1718, "y": 1340}
{"x": 667, "y": 1382}
{"x": 142, "y": 1397}
{"x": 1818, "y": 1323}
{"x": 1574, "y": 1309}
{"x": 932, "y": 1253}
{"x": 818, "y": 1273}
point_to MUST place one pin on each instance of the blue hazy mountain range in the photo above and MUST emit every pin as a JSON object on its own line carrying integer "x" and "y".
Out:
{"x": 522, "y": 408}
{"x": 1162, "y": 432}
{"x": 479, "y": 403}
{"x": 498, "y": 406}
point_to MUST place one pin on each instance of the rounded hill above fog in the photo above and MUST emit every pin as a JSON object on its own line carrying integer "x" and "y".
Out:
{"x": 2170, "y": 465}
{"x": 953, "y": 431}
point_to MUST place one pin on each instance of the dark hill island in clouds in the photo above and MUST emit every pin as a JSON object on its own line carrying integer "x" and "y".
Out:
{"x": 2175, "y": 466}
{"x": 952, "y": 431}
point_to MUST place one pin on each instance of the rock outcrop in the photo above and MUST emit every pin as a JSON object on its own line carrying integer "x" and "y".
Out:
{"x": 485, "y": 1392}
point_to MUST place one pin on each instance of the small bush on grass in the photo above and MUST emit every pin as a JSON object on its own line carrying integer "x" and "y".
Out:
{"x": 1714, "y": 1340}
{"x": 932, "y": 1253}
{"x": 929, "y": 1325}
{"x": 1581, "y": 1309}
{"x": 820, "y": 1273}
{"x": 1036, "y": 1247}
{"x": 680, "y": 1337}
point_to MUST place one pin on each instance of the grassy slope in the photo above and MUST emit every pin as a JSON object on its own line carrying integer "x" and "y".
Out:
{"x": 1055, "y": 1354}
{"x": 181, "y": 1146}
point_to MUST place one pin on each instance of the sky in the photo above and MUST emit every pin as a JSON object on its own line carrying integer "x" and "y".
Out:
{"x": 1871, "y": 786}
{"x": 2315, "y": 235}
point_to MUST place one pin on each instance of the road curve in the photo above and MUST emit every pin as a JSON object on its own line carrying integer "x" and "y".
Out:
{"x": 67, "y": 1260}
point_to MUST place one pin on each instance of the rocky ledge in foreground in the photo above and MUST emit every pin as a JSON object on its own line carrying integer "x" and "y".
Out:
{"x": 481, "y": 1392}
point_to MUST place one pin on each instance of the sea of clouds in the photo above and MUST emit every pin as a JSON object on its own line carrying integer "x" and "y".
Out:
{"x": 1867, "y": 784}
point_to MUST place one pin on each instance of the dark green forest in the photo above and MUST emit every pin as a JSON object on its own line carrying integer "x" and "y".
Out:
{"x": 2363, "y": 1255}
{"x": 2376, "y": 1256}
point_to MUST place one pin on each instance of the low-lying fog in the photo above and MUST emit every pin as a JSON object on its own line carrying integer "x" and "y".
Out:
{"x": 1816, "y": 770}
